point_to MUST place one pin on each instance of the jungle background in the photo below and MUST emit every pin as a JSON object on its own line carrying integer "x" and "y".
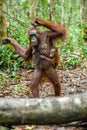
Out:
{"x": 15, "y": 74}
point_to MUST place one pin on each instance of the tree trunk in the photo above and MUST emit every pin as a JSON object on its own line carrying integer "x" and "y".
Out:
{"x": 44, "y": 111}
{"x": 84, "y": 11}
{"x": 32, "y": 9}
{"x": 3, "y": 29}
{"x": 52, "y": 10}
{"x": 62, "y": 21}
{"x": 84, "y": 18}
{"x": 70, "y": 13}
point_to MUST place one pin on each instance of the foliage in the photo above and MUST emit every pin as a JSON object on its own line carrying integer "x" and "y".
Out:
{"x": 74, "y": 48}
{"x": 67, "y": 13}
{"x": 20, "y": 88}
{"x": 4, "y": 78}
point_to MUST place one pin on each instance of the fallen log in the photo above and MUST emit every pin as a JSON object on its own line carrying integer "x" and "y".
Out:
{"x": 43, "y": 111}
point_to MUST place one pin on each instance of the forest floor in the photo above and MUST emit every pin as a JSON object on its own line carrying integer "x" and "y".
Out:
{"x": 73, "y": 81}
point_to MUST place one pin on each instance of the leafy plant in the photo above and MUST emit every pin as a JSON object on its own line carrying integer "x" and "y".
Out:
{"x": 73, "y": 61}
{"x": 20, "y": 88}
{"x": 3, "y": 78}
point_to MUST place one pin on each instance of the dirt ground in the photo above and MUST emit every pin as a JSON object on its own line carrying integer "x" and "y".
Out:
{"x": 73, "y": 81}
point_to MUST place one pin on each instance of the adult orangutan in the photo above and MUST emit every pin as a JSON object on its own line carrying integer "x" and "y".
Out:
{"x": 43, "y": 52}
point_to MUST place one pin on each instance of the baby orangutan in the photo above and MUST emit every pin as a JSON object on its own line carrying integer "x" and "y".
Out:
{"x": 43, "y": 52}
